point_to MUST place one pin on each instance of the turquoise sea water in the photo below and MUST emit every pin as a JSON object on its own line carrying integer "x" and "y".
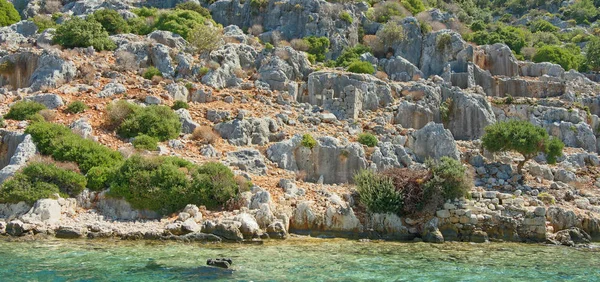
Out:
{"x": 294, "y": 260}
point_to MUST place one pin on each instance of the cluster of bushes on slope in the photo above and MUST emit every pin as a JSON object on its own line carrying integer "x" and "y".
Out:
{"x": 163, "y": 184}
{"x": 403, "y": 191}
{"x": 131, "y": 120}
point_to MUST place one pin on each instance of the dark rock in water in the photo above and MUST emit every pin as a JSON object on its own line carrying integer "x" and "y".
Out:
{"x": 222, "y": 262}
{"x": 15, "y": 228}
{"x": 67, "y": 232}
{"x": 571, "y": 237}
{"x": 200, "y": 237}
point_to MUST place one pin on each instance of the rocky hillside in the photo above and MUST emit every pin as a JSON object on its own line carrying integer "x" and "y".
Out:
{"x": 296, "y": 97}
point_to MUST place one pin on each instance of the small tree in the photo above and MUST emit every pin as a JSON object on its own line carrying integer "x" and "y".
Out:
{"x": 8, "y": 13}
{"x": 78, "y": 32}
{"x": 522, "y": 137}
{"x": 592, "y": 53}
{"x": 111, "y": 20}
{"x": 206, "y": 38}
{"x": 390, "y": 32}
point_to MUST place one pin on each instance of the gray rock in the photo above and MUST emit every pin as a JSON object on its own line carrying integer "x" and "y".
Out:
{"x": 249, "y": 160}
{"x": 15, "y": 228}
{"x": 187, "y": 123}
{"x": 261, "y": 197}
{"x": 400, "y": 69}
{"x": 249, "y": 227}
{"x": 228, "y": 231}
{"x": 152, "y": 100}
{"x": 51, "y": 72}
{"x": 433, "y": 141}
{"x": 233, "y": 32}
{"x": 231, "y": 58}
{"x": 564, "y": 176}
{"x": 210, "y": 151}
{"x": 178, "y": 92}
{"x": 388, "y": 155}
{"x": 247, "y": 131}
{"x": 112, "y": 89}
{"x": 46, "y": 37}
{"x": 276, "y": 230}
{"x": 168, "y": 38}
{"x": 284, "y": 68}
{"x": 51, "y": 101}
{"x": 469, "y": 113}
{"x": 217, "y": 116}
{"x": 19, "y": 149}
{"x": 70, "y": 232}
{"x": 45, "y": 211}
{"x": 161, "y": 58}
{"x": 82, "y": 127}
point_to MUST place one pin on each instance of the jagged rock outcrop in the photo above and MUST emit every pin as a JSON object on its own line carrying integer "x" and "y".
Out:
{"x": 336, "y": 218}
{"x": 387, "y": 155}
{"x": 249, "y": 160}
{"x": 333, "y": 161}
{"x": 283, "y": 66}
{"x": 51, "y": 101}
{"x": 469, "y": 113}
{"x": 233, "y": 60}
{"x": 433, "y": 141}
{"x": 16, "y": 149}
{"x": 420, "y": 107}
{"x": 400, "y": 69}
{"x": 168, "y": 38}
{"x": 36, "y": 71}
{"x": 244, "y": 132}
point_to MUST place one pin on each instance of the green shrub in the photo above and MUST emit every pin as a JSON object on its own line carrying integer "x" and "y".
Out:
{"x": 522, "y": 137}
{"x": 259, "y": 3}
{"x": 156, "y": 121}
{"x": 446, "y": 109}
{"x": 514, "y": 37}
{"x": 194, "y": 7}
{"x": 43, "y": 22}
{"x": 592, "y": 53}
{"x": 76, "y": 107}
{"x": 368, "y": 139}
{"x": 111, "y": 20}
{"x": 213, "y": 184}
{"x": 145, "y": 142}
{"x": 351, "y": 54}
{"x": 152, "y": 72}
{"x": 426, "y": 28}
{"x": 77, "y": 32}
{"x": 2, "y": 122}
{"x": 308, "y": 141}
{"x": 204, "y": 71}
{"x": 383, "y": 12}
{"x": 140, "y": 25}
{"x": 547, "y": 198}
{"x": 346, "y": 17}
{"x": 269, "y": 47}
{"x": 390, "y": 33}
{"x": 40, "y": 180}
{"x": 146, "y": 12}
{"x": 413, "y": 6}
{"x": 317, "y": 46}
{"x": 558, "y": 55}
{"x": 8, "y": 13}
{"x": 118, "y": 111}
{"x": 377, "y": 193}
{"x": 63, "y": 145}
{"x": 206, "y": 38}
{"x": 582, "y": 11}
{"x": 23, "y": 110}
{"x": 181, "y": 22}
{"x": 443, "y": 41}
{"x": 448, "y": 179}
{"x": 541, "y": 25}
{"x": 361, "y": 67}
{"x": 478, "y": 26}
{"x": 180, "y": 105}
{"x": 100, "y": 177}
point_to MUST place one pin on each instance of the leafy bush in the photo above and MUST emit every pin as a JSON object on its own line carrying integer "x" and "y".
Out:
{"x": 181, "y": 22}
{"x": 40, "y": 180}
{"x": 145, "y": 142}
{"x": 146, "y": 12}
{"x": 111, "y": 20}
{"x": 317, "y": 46}
{"x": 361, "y": 67}
{"x": 167, "y": 184}
{"x": 558, "y": 55}
{"x": 383, "y": 12}
{"x": 140, "y": 25}
{"x": 414, "y": 6}
{"x": 522, "y": 137}
{"x": 152, "y": 72}
{"x": 346, "y": 17}
{"x": 583, "y": 11}
{"x": 541, "y": 25}
{"x": 180, "y": 105}
{"x": 8, "y": 13}
{"x": 547, "y": 198}
{"x": 368, "y": 139}
{"x": 155, "y": 121}
{"x": 118, "y": 111}
{"x": 308, "y": 141}
{"x": 194, "y": 7}
{"x": 76, "y": 107}
{"x": 23, "y": 110}
{"x": 78, "y": 32}
{"x": 390, "y": 32}
{"x": 443, "y": 41}
{"x": 99, "y": 177}
{"x": 206, "y": 38}
{"x": 478, "y": 26}
{"x": 63, "y": 145}
{"x": 351, "y": 54}
{"x": 592, "y": 53}
{"x": 514, "y": 37}
{"x": 378, "y": 193}
{"x": 448, "y": 179}
{"x": 43, "y": 22}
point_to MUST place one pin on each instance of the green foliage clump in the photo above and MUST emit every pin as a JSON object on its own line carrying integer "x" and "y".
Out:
{"x": 547, "y": 198}
{"x": 448, "y": 179}
{"x": 445, "y": 109}
{"x": 24, "y": 110}
{"x": 351, "y": 54}
{"x": 140, "y": 25}
{"x": 8, "y": 13}
{"x": 156, "y": 121}
{"x": 390, "y": 32}
{"x": 582, "y": 11}
{"x": 43, "y": 22}
{"x": 206, "y": 38}
{"x": 383, "y": 12}
{"x": 377, "y": 193}
{"x": 181, "y": 22}
{"x": 514, "y": 37}
{"x": 361, "y": 67}
{"x": 368, "y": 139}
{"x": 62, "y": 144}
{"x": 478, "y": 26}
{"x": 78, "y": 32}
{"x": 145, "y": 12}
{"x": 317, "y": 46}
{"x": 99, "y": 177}
{"x": 414, "y": 6}
{"x": 522, "y": 137}
{"x": 152, "y": 72}
{"x": 167, "y": 184}
{"x": 111, "y": 20}
{"x": 346, "y": 17}
{"x": 592, "y": 54}
{"x": 39, "y": 181}
{"x": 194, "y": 7}
{"x": 558, "y": 55}
{"x": 541, "y": 25}
{"x": 180, "y": 105}
{"x": 76, "y": 107}
{"x": 145, "y": 142}
{"x": 443, "y": 41}
{"x": 308, "y": 141}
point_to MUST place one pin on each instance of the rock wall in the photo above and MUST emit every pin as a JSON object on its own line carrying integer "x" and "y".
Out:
{"x": 16, "y": 149}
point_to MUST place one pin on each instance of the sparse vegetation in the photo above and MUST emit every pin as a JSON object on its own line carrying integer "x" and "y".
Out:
{"x": 368, "y": 139}
{"x": 361, "y": 67}
{"x": 308, "y": 141}
{"x": 151, "y": 72}
{"x": 23, "y": 110}
{"x": 377, "y": 193}
{"x": 76, "y": 107}
{"x": 180, "y": 105}
{"x": 205, "y": 38}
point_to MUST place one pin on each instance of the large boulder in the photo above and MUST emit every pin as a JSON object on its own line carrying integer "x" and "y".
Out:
{"x": 469, "y": 113}
{"x": 498, "y": 59}
{"x": 400, "y": 69}
{"x": 329, "y": 159}
{"x": 232, "y": 59}
{"x": 44, "y": 211}
{"x": 249, "y": 160}
{"x": 244, "y": 132}
{"x": 282, "y": 66}
{"x": 168, "y": 38}
{"x": 433, "y": 141}
{"x": 421, "y": 105}
{"x": 51, "y": 101}
{"x": 19, "y": 149}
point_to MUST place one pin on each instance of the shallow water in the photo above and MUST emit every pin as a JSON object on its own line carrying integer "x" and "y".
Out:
{"x": 294, "y": 260}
